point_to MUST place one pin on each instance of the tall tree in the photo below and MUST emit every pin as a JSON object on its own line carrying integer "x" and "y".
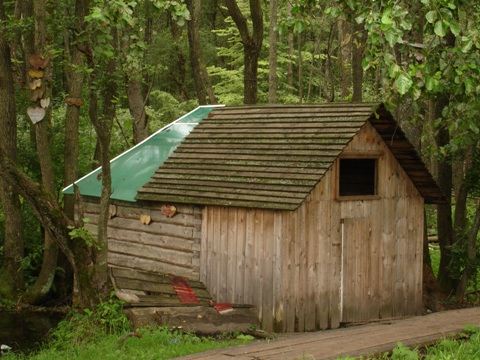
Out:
{"x": 203, "y": 84}
{"x": 252, "y": 44}
{"x": 345, "y": 56}
{"x": 11, "y": 278}
{"x": 272, "y": 58}
{"x": 41, "y": 59}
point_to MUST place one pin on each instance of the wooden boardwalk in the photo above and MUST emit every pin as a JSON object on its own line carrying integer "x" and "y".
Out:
{"x": 356, "y": 341}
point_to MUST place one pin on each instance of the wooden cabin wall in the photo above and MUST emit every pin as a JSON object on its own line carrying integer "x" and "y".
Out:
{"x": 168, "y": 245}
{"x": 290, "y": 264}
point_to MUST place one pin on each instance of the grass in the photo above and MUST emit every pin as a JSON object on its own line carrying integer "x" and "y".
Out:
{"x": 105, "y": 333}
{"x": 147, "y": 343}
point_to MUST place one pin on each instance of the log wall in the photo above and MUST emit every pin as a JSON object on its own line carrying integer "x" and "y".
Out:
{"x": 329, "y": 261}
{"x": 164, "y": 246}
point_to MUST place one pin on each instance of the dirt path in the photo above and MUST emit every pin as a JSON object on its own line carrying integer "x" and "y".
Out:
{"x": 362, "y": 340}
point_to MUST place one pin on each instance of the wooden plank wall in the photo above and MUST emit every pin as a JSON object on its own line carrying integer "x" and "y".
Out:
{"x": 165, "y": 246}
{"x": 289, "y": 264}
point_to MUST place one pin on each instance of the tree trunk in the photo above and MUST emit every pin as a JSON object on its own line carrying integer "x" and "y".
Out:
{"x": 50, "y": 252}
{"x": 103, "y": 126}
{"x": 345, "y": 57}
{"x": 471, "y": 260}
{"x": 444, "y": 211}
{"x": 203, "y": 85}
{"x": 75, "y": 82}
{"x": 252, "y": 44}
{"x": 300, "y": 68}
{"x": 56, "y": 223}
{"x": 291, "y": 51}
{"x": 136, "y": 105}
{"x": 357, "y": 57}
{"x": 11, "y": 278}
{"x": 178, "y": 75}
{"x": 272, "y": 59}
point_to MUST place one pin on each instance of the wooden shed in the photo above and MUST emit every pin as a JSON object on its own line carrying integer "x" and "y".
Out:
{"x": 313, "y": 214}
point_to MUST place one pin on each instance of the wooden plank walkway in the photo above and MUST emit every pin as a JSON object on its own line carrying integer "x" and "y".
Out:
{"x": 356, "y": 341}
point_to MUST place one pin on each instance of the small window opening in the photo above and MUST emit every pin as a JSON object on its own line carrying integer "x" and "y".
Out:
{"x": 357, "y": 177}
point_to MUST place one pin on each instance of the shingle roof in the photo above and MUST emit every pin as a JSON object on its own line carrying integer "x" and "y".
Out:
{"x": 271, "y": 156}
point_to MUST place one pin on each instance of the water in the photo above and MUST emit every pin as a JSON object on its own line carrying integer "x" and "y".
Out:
{"x": 25, "y": 330}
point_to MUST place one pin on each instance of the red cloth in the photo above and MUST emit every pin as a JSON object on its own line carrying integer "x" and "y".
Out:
{"x": 222, "y": 308}
{"x": 183, "y": 289}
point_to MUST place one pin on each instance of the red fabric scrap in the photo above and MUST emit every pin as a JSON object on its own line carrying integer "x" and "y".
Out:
{"x": 183, "y": 290}
{"x": 222, "y": 308}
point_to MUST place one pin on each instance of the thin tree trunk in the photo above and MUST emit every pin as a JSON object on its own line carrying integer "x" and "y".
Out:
{"x": 10, "y": 273}
{"x": 444, "y": 211}
{"x": 178, "y": 75}
{"x": 272, "y": 59}
{"x": 42, "y": 285}
{"x": 103, "y": 127}
{"x": 470, "y": 266}
{"x": 357, "y": 58}
{"x": 252, "y": 44}
{"x": 203, "y": 85}
{"x": 136, "y": 105}
{"x": 290, "y": 42}
{"x": 300, "y": 69}
{"x": 345, "y": 57}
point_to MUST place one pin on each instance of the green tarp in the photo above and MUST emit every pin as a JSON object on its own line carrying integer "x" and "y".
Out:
{"x": 133, "y": 168}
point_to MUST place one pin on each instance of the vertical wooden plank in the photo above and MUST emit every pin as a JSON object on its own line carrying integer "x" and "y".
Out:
{"x": 266, "y": 268}
{"x": 223, "y": 254}
{"x": 204, "y": 247}
{"x": 324, "y": 264}
{"x": 231, "y": 251}
{"x": 312, "y": 245}
{"x": 257, "y": 279}
{"x": 374, "y": 289}
{"x": 300, "y": 269}
{"x": 290, "y": 227}
{"x": 248, "y": 289}
{"x": 388, "y": 249}
{"x": 216, "y": 254}
{"x": 399, "y": 267}
{"x": 280, "y": 239}
{"x": 239, "y": 296}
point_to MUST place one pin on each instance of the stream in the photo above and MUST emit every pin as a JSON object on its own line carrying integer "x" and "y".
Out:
{"x": 25, "y": 330}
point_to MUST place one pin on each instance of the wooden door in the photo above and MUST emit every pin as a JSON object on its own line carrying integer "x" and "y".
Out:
{"x": 357, "y": 280}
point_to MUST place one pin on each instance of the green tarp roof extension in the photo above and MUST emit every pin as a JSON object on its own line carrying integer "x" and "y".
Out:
{"x": 134, "y": 167}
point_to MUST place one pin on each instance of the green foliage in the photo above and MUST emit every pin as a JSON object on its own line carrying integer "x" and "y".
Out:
{"x": 299, "y": 18}
{"x": 78, "y": 330}
{"x": 158, "y": 343}
{"x": 105, "y": 334}
{"x": 82, "y": 233}
{"x": 436, "y": 66}
{"x": 401, "y": 352}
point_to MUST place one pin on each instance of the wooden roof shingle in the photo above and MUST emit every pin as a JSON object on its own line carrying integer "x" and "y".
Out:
{"x": 272, "y": 156}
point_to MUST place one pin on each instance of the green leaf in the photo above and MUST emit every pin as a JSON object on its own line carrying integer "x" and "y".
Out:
{"x": 474, "y": 128}
{"x": 393, "y": 36}
{"x": 470, "y": 85}
{"x": 440, "y": 29}
{"x": 455, "y": 28}
{"x": 393, "y": 70}
{"x": 386, "y": 19}
{"x": 360, "y": 19}
{"x": 431, "y": 83}
{"x": 431, "y": 16}
{"x": 299, "y": 27}
{"x": 403, "y": 83}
